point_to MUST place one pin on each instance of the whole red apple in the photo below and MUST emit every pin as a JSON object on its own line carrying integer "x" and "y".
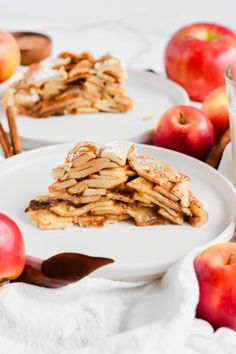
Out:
{"x": 197, "y": 55}
{"x": 216, "y": 273}
{"x": 215, "y": 107}
{"x": 9, "y": 55}
{"x": 185, "y": 129}
{"x": 12, "y": 250}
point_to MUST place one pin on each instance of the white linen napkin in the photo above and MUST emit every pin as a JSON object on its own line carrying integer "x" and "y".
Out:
{"x": 102, "y": 316}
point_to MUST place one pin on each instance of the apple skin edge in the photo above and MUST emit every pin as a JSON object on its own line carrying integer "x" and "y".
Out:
{"x": 197, "y": 56}
{"x": 59, "y": 270}
{"x": 215, "y": 107}
{"x": 12, "y": 249}
{"x": 185, "y": 129}
{"x": 10, "y": 55}
{"x": 215, "y": 269}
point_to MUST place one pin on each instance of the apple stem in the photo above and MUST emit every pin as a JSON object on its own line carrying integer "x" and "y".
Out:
{"x": 230, "y": 259}
{"x": 181, "y": 118}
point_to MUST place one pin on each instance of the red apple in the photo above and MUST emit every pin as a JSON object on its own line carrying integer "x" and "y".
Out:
{"x": 9, "y": 55}
{"x": 12, "y": 250}
{"x": 197, "y": 55}
{"x": 185, "y": 129}
{"x": 216, "y": 273}
{"x": 215, "y": 107}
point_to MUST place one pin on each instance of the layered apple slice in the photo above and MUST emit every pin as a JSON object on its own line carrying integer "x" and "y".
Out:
{"x": 70, "y": 84}
{"x": 99, "y": 185}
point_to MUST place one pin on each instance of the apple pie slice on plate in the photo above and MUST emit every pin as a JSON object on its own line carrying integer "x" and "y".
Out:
{"x": 98, "y": 185}
{"x": 119, "y": 185}
{"x": 70, "y": 84}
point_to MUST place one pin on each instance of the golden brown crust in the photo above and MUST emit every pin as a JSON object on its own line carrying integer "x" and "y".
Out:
{"x": 71, "y": 84}
{"x": 47, "y": 220}
{"x": 108, "y": 194}
{"x": 199, "y": 216}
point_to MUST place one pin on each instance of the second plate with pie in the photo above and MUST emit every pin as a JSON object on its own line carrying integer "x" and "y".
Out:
{"x": 139, "y": 252}
{"x": 151, "y": 95}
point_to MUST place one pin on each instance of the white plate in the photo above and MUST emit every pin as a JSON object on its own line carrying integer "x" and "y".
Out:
{"x": 151, "y": 94}
{"x": 139, "y": 252}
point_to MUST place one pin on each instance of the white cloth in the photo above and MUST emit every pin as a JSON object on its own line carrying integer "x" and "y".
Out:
{"x": 108, "y": 317}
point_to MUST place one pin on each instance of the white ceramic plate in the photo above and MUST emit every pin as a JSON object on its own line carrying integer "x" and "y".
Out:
{"x": 139, "y": 252}
{"x": 151, "y": 95}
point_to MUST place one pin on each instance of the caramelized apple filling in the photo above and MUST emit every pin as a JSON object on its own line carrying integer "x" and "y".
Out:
{"x": 96, "y": 186}
{"x": 70, "y": 84}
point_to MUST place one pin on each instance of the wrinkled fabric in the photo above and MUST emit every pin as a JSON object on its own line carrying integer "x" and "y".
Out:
{"x": 103, "y": 316}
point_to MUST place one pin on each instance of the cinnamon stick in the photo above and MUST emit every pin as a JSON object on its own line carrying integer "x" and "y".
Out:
{"x": 15, "y": 139}
{"x": 217, "y": 151}
{"x": 5, "y": 144}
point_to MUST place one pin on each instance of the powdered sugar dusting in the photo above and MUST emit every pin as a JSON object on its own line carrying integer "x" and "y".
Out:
{"x": 154, "y": 170}
{"x": 117, "y": 151}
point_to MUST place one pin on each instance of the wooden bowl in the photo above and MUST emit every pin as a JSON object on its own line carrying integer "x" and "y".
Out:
{"x": 34, "y": 46}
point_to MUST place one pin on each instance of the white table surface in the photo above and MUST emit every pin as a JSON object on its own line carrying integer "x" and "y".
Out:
{"x": 136, "y": 29}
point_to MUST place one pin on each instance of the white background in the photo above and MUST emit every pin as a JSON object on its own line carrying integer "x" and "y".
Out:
{"x": 135, "y": 29}
{"x": 146, "y": 15}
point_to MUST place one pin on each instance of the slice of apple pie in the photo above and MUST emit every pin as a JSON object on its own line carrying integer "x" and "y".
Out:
{"x": 98, "y": 185}
{"x": 70, "y": 84}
